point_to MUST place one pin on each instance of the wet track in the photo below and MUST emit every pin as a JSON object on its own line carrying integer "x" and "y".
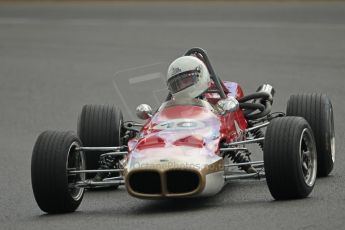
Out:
{"x": 55, "y": 58}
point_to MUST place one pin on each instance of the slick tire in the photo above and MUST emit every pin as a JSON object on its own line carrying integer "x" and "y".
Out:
{"x": 99, "y": 126}
{"x": 53, "y": 153}
{"x": 290, "y": 158}
{"x": 318, "y": 111}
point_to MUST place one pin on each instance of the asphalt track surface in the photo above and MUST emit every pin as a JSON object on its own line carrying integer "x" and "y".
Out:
{"x": 56, "y": 57}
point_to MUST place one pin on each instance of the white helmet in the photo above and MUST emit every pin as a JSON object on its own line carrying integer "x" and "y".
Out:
{"x": 188, "y": 77}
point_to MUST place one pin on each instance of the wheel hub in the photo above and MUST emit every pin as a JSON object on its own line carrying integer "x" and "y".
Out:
{"x": 308, "y": 157}
{"x": 75, "y": 160}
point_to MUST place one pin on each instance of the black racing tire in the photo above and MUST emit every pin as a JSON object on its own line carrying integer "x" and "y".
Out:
{"x": 53, "y": 152}
{"x": 318, "y": 111}
{"x": 99, "y": 126}
{"x": 290, "y": 158}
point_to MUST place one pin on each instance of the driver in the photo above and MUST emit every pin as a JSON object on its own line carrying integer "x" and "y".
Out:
{"x": 187, "y": 77}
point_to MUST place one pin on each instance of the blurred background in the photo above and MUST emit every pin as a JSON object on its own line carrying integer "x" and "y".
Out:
{"x": 56, "y": 56}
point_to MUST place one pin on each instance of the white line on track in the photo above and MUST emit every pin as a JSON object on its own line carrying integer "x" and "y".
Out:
{"x": 176, "y": 23}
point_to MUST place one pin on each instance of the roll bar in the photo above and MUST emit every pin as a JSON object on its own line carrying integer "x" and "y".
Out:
{"x": 201, "y": 54}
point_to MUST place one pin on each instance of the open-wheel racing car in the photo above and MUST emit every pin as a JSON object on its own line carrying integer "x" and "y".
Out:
{"x": 186, "y": 147}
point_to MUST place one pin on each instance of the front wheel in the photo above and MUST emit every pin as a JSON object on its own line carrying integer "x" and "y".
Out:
{"x": 290, "y": 158}
{"x": 53, "y": 154}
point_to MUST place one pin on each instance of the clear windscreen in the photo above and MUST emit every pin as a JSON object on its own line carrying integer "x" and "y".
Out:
{"x": 140, "y": 85}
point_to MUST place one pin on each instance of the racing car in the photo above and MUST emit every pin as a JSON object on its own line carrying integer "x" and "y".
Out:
{"x": 188, "y": 147}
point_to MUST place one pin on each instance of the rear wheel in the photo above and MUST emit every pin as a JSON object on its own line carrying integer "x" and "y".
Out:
{"x": 53, "y": 154}
{"x": 318, "y": 111}
{"x": 290, "y": 158}
{"x": 99, "y": 126}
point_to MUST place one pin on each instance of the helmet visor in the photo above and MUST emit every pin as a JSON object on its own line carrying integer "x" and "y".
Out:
{"x": 183, "y": 80}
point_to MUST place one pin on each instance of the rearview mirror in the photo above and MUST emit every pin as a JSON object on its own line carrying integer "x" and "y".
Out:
{"x": 144, "y": 111}
{"x": 229, "y": 104}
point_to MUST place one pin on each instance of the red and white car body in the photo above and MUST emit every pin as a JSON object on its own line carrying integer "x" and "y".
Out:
{"x": 181, "y": 142}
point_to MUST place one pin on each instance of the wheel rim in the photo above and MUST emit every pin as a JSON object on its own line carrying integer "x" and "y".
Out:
{"x": 120, "y": 129}
{"x": 332, "y": 134}
{"x": 75, "y": 160}
{"x": 308, "y": 157}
